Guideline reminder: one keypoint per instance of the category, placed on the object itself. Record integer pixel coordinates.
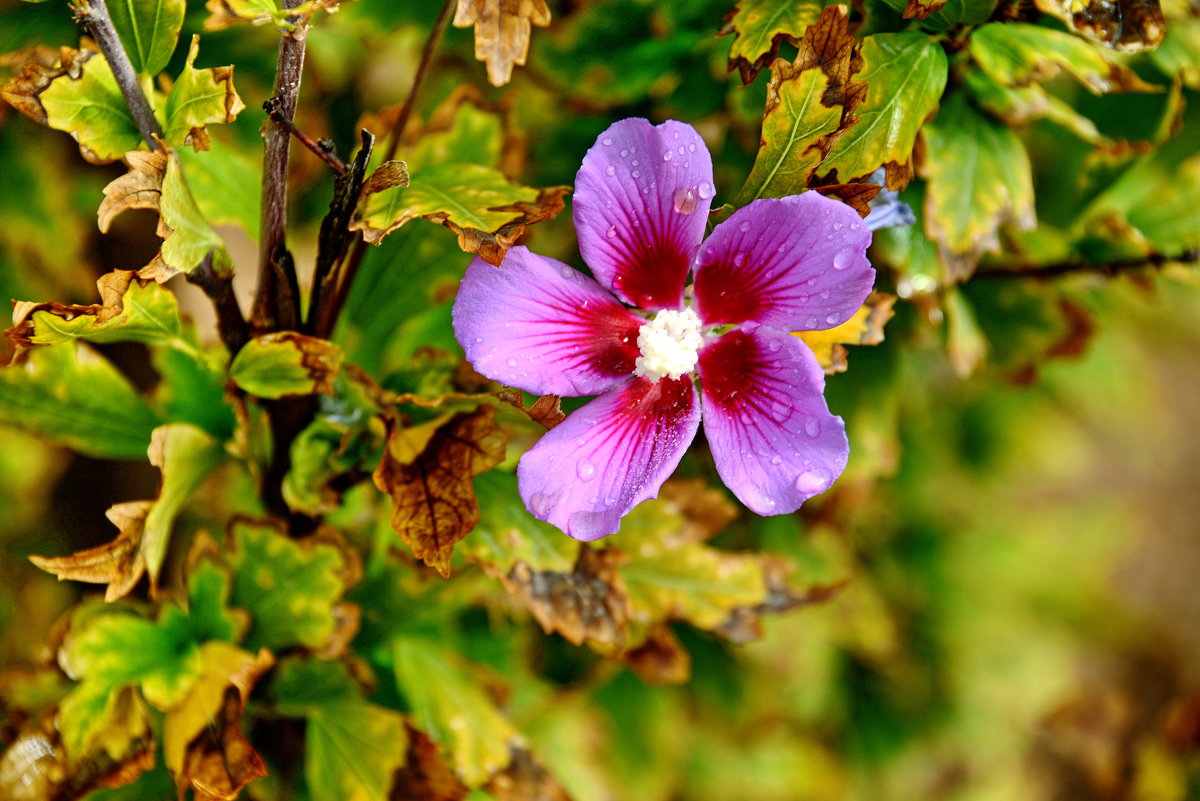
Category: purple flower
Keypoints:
(778, 265)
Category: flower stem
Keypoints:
(93, 14)
(1152, 260)
(277, 299)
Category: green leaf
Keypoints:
(695, 583)
(794, 120)
(1179, 53)
(209, 588)
(950, 13)
(92, 109)
(69, 395)
(130, 311)
(288, 587)
(1017, 54)
(186, 455)
(286, 363)
(451, 706)
(1020, 105)
(979, 178)
(199, 98)
(905, 75)
(226, 183)
(460, 132)
(352, 747)
(759, 26)
(507, 533)
(192, 390)
(191, 238)
(115, 649)
(149, 30)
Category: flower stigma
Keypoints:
(669, 345)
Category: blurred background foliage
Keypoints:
(1014, 543)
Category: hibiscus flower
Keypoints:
(636, 335)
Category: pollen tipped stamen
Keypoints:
(669, 345)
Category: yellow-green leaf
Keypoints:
(1017, 54)
(149, 30)
(905, 75)
(451, 706)
(189, 238)
(286, 363)
(695, 583)
(978, 177)
(759, 26)
(91, 108)
(198, 98)
(69, 395)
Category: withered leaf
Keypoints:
(745, 622)
(286, 363)
(920, 9)
(586, 605)
(140, 188)
(221, 761)
(865, 327)
(387, 175)
(120, 564)
(856, 196)
(525, 779)
(429, 480)
(546, 410)
(759, 27)
(24, 89)
(661, 659)
(502, 30)
(425, 775)
(1130, 25)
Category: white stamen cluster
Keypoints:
(670, 345)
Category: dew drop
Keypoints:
(776, 459)
(810, 323)
(704, 190)
(842, 260)
(566, 271)
(635, 163)
(837, 226)
(774, 345)
(633, 148)
(636, 173)
(624, 152)
(478, 340)
(682, 150)
(586, 471)
(739, 258)
(812, 426)
(684, 200)
(744, 227)
(667, 156)
(692, 148)
(607, 141)
(608, 204)
(831, 319)
(750, 326)
(780, 411)
(611, 233)
(511, 362)
(824, 294)
(645, 190)
(811, 282)
(610, 170)
(855, 226)
(815, 480)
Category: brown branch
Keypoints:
(1153, 260)
(93, 14)
(218, 286)
(276, 305)
(322, 148)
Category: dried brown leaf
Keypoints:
(120, 564)
(586, 605)
(856, 196)
(386, 176)
(546, 410)
(428, 477)
(920, 9)
(492, 245)
(502, 30)
(745, 622)
(425, 775)
(661, 659)
(24, 89)
(221, 761)
(1129, 25)
(525, 779)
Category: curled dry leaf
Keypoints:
(759, 27)
(856, 196)
(224, 13)
(864, 328)
(43, 65)
(502, 30)
(120, 564)
(920, 9)
(545, 411)
(425, 775)
(427, 472)
(1130, 25)
(140, 188)
(661, 659)
(586, 605)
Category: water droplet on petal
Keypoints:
(682, 150)
(774, 345)
(812, 426)
(567, 272)
(624, 152)
(636, 173)
(837, 226)
(776, 459)
(692, 148)
(811, 323)
(607, 141)
(744, 227)
(813, 481)
(843, 259)
(684, 200)
(739, 258)
(831, 319)
(586, 471)
(780, 411)
(511, 362)
(855, 226)
(478, 340)
(750, 326)
(667, 156)
(610, 170)
(704, 190)
(611, 232)
(636, 163)
(824, 294)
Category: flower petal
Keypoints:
(609, 455)
(796, 263)
(537, 324)
(773, 440)
(641, 200)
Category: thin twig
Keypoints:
(323, 148)
(431, 45)
(93, 14)
(273, 309)
(218, 286)
(1155, 260)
